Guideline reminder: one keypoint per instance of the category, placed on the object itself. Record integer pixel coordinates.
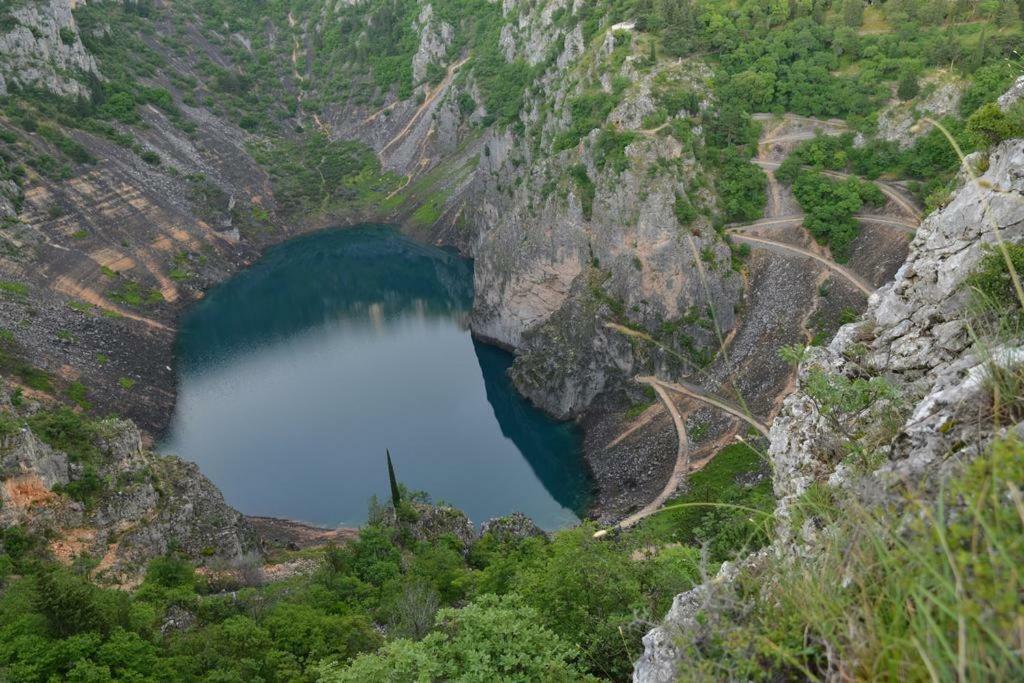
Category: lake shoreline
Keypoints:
(294, 370)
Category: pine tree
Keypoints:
(645, 17)
(396, 496)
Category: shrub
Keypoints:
(684, 210)
(119, 107)
(610, 149)
(992, 280)
(150, 157)
(492, 638)
(989, 125)
(67, 431)
(586, 188)
(908, 88)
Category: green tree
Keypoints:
(853, 13)
(492, 638)
(586, 590)
(396, 496)
(678, 21)
(71, 605)
(908, 87)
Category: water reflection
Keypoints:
(296, 374)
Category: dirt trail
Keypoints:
(651, 132)
(682, 465)
(68, 287)
(796, 219)
(786, 221)
(775, 216)
(854, 279)
(906, 226)
(427, 101)
(699, 394)
(643, 420)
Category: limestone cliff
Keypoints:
(109, 499)
(40, 47)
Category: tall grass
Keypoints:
(930, 594)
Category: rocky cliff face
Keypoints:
(569, 242)
(122, 507)
(917, 337)
(40, 47)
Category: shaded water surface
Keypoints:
(296, 374)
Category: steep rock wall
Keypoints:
(40, 47)
(156, 504)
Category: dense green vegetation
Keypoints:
(799, 56)
(725, 505)
(741, 187)
(830, 205)
(385, 606)
(312, 173)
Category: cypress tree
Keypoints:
(396, 497)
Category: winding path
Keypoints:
(703, 396)
(427, 101)
(905, 226)
(798, 219)
(908, 224)
(885, 187)
(682, 466)
(854, 279)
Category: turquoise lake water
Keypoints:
(295, 375)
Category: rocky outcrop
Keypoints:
(40, 47)
(122, 506)
(569, 243)
(534, 31)
(514, 527)
(428, 523)
(1013, 95)
(901, 122)
(435, 37)
(691, 613)
(914, 337)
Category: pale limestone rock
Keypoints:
(35, 54)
